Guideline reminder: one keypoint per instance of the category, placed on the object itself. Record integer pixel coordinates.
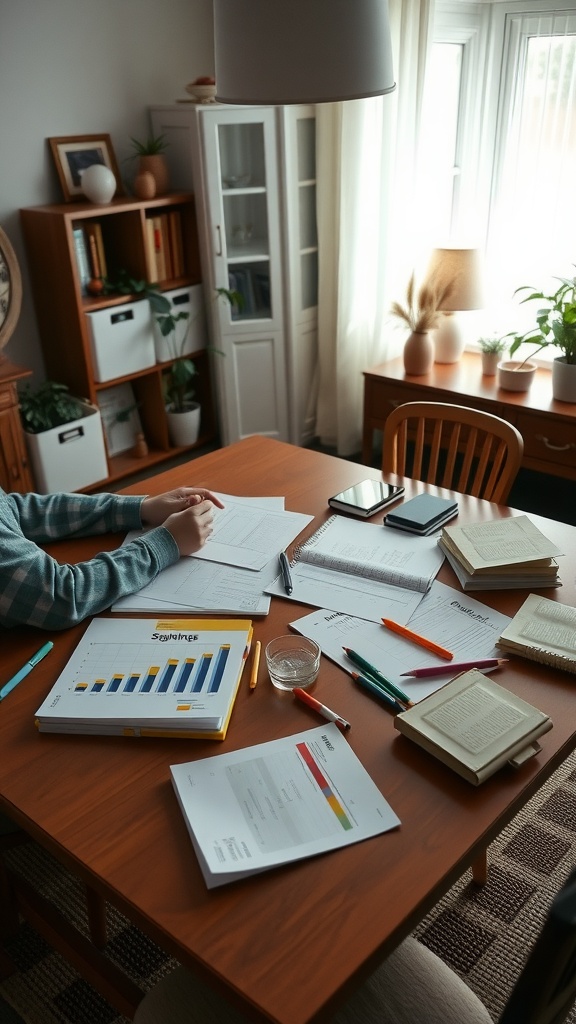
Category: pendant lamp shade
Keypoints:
(301, 51)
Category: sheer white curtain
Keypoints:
(366, 171)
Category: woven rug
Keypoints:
(483, 933)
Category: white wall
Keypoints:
(79, 67)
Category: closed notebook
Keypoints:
(422, 514)
(475, 726)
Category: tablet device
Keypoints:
(365, 498)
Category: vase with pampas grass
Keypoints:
(422, 312)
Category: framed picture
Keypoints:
(74, 153)
(10, 289)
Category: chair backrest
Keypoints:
(546, 989)
(452, 446)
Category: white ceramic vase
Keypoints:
(98, 183)
(563, 380)
(184, 427)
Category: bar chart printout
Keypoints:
(136, 674)
(277, 802)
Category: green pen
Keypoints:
(377, 676)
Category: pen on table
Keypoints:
(409, 634)
(378, 692)
(23, 672)
(372, 672)
(459, 666)
(285, 570)
(255, 665)
(326, 713)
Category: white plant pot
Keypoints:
(184, 427)
(69, 457)
(563, 380)
(515, 376)
(490, 362)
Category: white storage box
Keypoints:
(122, 340)
(69, 457)
(184, 300)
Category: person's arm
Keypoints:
(36, 590)
(46, 517)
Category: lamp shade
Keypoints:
(301, 51)
(462, 267)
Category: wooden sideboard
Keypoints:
(15, 474)
(548, 427)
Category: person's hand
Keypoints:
(191, 527)
(156, 508)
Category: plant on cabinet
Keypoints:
(556, 327)
(151, 163)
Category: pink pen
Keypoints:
(442, 670)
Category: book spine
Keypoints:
(158, 250)
(150, 251)
(82, 261)
(175, 222)
(166, 247)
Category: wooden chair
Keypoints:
(413, 985)
(452, 446)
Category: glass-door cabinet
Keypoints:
(253, 172)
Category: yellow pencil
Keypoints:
(255, 665)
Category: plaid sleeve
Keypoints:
(45, 517)
(36, 590)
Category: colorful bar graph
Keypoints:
(221, 659)
(324, 786)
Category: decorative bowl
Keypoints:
(203, 93)
(515, 376)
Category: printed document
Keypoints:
(457, 621)
(280, 801)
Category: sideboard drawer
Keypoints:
(548, 440)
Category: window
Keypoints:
(498, 160)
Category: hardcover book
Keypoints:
(543, 630)
(475, 726)
(423, 514)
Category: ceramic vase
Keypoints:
(158, 168)
(563, 380)
(98, 183)
(418, 353)
(490, 362)
(145, 185)
(184, 427)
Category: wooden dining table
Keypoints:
(291, 944)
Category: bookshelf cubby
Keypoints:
(61, 302)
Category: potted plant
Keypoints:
(151, 163)
(491, 349)
(422, 313)
(62, 459)
(556, 327)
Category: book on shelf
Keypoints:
(96, 249)
(475, 726)
(159, 256)
(166, 247)
(176, 242)
(423, 514)
(278, 802)
(543, 630)
(150, 677)
(150, 250)
(82, 260)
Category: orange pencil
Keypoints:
(255, 665)
(408, 634)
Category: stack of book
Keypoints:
(164, 247)
(501, 554)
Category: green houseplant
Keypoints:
(555, 327)
(151, 165)
(48, 406)
(491, 348)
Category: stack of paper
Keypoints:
(501, 554)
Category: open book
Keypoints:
(360, 569)
(543, 630)
(150, 677)
(277, 802)
(475, 726)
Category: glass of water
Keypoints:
(292, 660)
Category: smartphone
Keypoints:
(365, 498)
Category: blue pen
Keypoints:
(23, 672)
(377, 691)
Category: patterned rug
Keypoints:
(482, 933)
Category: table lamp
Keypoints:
(462, 267)
(301, 51)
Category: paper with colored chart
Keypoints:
(150, 677)
(266, 805)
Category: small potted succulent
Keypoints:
(152, 175)
(491, 349)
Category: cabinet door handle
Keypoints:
(555, 447)
(219, 241)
